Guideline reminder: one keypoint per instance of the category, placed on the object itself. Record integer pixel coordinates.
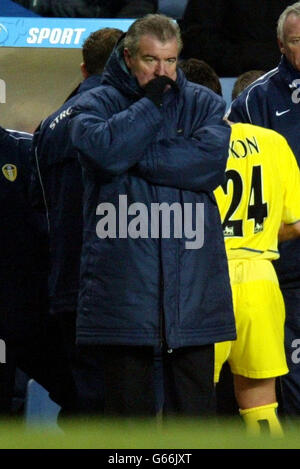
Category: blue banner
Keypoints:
(68, 33)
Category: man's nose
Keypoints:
(160, 69)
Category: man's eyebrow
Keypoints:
(155, 57)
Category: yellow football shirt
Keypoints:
(262, 189)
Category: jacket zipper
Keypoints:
(163, 342)
(161, 315)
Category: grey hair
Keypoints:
(292, 9)
(160, 26)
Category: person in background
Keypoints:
(17, 255)
(57, 190)
(148, 138)
(24, 327)
(259, 199)
(91, 8)
(244, 80)
(233, 36)
(273, 102)
(135, 8)
(198, 71)
(263, 184)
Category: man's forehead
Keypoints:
(148, 44)
(292, 25)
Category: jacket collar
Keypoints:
(288, 73)
(90, 82)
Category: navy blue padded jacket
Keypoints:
(58, 183)
(144, 290)
(23, 240)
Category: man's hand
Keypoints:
(155, 89)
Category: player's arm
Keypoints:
(288, 232)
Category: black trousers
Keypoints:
(42, 356)
(47, 352)
(87, 376)
(132, 379)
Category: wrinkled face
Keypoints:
(153, 59)
(290, 46)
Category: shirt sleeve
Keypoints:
(196, 162)
(110, 141)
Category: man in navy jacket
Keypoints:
(23, 264)
(31, 341)
(153, 270)
(18, 264)
(273, 101)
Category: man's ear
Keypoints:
(127, 57)
(281, 46)
(84, 71)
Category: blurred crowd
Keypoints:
(91, 8)
(232, 37)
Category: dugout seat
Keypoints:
(39, 408)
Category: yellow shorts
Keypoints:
(259, 312)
